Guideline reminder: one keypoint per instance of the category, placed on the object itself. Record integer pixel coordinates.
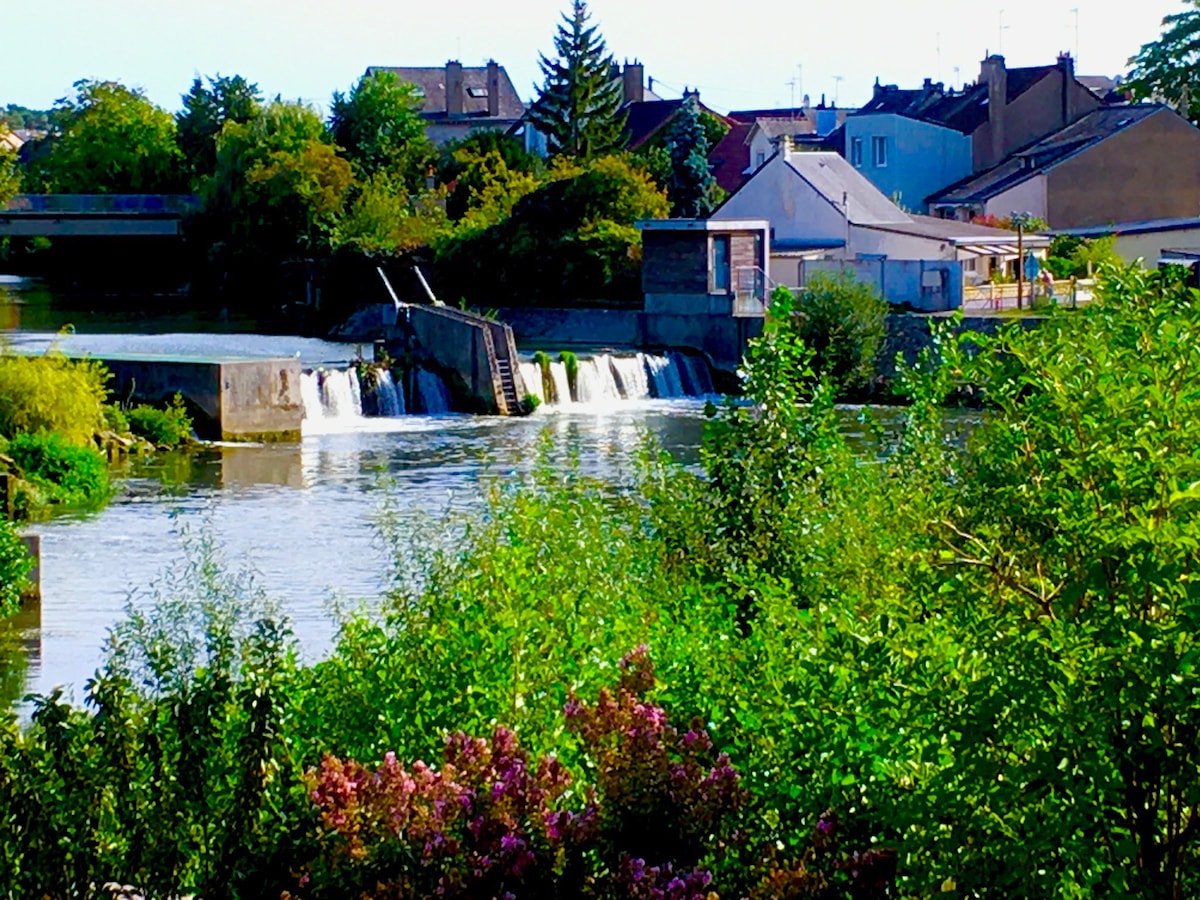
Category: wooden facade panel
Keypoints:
(675, 262)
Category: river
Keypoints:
(301, 514)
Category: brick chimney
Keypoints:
(454, 88)
(632, 81)
(994, 74)
(493, 89)
(1066, 69)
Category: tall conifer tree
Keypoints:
(692, 189)
(579, 107)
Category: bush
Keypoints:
(55, 472)
(843, 321)
(52, 393)
(15, 565)
(168, 427)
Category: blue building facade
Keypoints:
(907, 159)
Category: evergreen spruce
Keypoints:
(691, 188)
(579, 106)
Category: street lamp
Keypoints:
(1021, 220)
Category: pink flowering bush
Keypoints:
(490, 821)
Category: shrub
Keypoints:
(843, 322)
(55, 472)
(168, 427)
(52, 393)
(15, 565)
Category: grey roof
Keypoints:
(956, 232)
(834, 179)
(1143, 226)
(1042, 155)
(775, 127)
(431, 80)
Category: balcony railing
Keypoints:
(751, 294)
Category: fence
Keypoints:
(996, 297)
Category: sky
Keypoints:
(739, 55)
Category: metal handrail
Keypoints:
(752, 291)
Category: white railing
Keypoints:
(752, 292)
(995, 297)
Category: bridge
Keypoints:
(95, 215)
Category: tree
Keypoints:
(10, 175)
(108, 139)
(379, 127)
(205, 112)
(691, 186)
(277, 189)
(579, 107)
(1169, 69)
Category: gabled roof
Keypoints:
(845, 187)
(431, 81)
(731, 156)
(1040, 156)
(643, 119)
(962, 111)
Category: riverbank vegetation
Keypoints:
(964, 668)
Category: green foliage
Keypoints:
(843, 322)
(107, 139)
(51, 393)
(54, 472)
(570, 240)
(571, 364)
(691, 186)
(1168, 70)
(1072, 257)
(10, 175)
(178, 778)
(579, 105)
(167, 427)
(205, 111)
(384, 220)
(278, 187)
(380, 129)
(15, 566)
(486, 188)
(15, 116)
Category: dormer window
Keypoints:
(477, 92)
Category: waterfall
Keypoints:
(630, 375)
(310, 393)
(432, 397)
(340, 394)
(693, 374)
(664, 376)
(595, 381)
(380, 394)
(531, 374)
(560, 383)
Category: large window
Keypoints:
(879, 151)
(856, 152)
(720, 264)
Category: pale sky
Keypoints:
(740, 55)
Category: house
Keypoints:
(754, 136)
(703, 266)
(912, 143)
(9, 140)
(1115, 164)
(457, 100)
(823, 209)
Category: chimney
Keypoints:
(454, 88)
(633, 90)
(878, 89)
(1066, 69)
(994, 74)
(493, 89)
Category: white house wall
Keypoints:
(1028, 196)
(796, 211)
(875, 242)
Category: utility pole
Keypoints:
(1075, 11)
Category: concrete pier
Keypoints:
(33, 544)
(232, 399)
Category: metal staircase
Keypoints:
(508, 384)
